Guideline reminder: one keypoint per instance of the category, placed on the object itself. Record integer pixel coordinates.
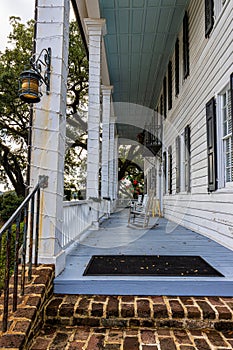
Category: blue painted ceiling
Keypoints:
(140, 39)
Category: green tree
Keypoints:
(14, 114)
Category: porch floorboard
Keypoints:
(115, 237)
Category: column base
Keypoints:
(59, 261)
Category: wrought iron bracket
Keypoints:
(44, 59)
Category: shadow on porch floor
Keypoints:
(115, 237)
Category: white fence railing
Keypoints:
(78, 218)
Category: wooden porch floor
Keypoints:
(167, 238)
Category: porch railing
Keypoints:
(78, 218)
(22, 227)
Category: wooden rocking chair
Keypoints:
(140, 216)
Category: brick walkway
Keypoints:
(84, 338)
(136, 323)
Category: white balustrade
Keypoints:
(78, 218)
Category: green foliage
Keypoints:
(9, 202)
(14, 114)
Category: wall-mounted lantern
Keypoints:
(32, 79)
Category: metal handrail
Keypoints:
(28, 212)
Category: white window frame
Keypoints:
(222, 183)
(182, 163)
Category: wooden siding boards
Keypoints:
(210, 70)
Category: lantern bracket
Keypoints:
(43, 59)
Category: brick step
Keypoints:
(137, 311)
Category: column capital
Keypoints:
(106, 89)
(95, 26)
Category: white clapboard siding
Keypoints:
(210, 69)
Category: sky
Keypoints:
(21, 8)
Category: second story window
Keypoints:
(165, 97)
(177, 68)
(169, 170)
(186, 45)
(209, 16)
(178, 164)
(170, 85)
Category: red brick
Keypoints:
(157, 299)
(60, 339)
(215, 301)
(148, 337)
(96, 342)
(186, 300)
(12, 341)
(34, 301)
(66, 310)
(176, 308)
(160, 311)
(202, 344)
(193, 312)
(167, 344)
(97, 310)
(215, 338)
(40, 344)
(143, 309)
(207, 310)
(53, 306)
(76, 345)
(112, 347)
(182, 337)
(164, 332)
(29, 313)
(22, 326)
(83, 306)
(151, 347)
(131, 343)
(224, 313)
(113, 307)
(81, 334)
(127, 299)
(127, 310)
(102, 298)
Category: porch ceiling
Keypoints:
(140, 38)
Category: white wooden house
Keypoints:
(158, 69)
(196, 104)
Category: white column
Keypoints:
(49, 129)
(95, 32)
(115, 183)
(106, 111)
(111, 158)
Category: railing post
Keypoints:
(6, 280)
(16, 268)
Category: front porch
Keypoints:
(114, 237)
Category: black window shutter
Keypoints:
(165, 97)
(186, 45)
(170, 85)
(187, 142)
(161, 105)
(211, 144)
(170, 170)
(178, 164)
(209, 16)
(165, 170)
(177, 68)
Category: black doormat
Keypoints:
(149, 265)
